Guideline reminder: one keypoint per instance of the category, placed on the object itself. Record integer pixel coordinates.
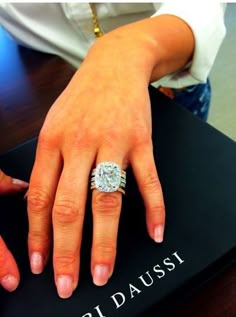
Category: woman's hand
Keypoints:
(9, 273)
(103, 115)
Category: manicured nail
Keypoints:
(19, 182)
(36, 263)
(158, 233)
(26, 194)
(100, 274)
(64, 285)
(9, 282)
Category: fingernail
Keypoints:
(158, 233)
(26, 194)
(36, 263)
(64, 285)
(19, 182)
(100, 274)
(9, 282)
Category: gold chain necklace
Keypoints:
(96, 27)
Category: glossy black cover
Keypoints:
(197, 168)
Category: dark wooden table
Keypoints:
(29, 84)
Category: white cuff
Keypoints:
(207, 24)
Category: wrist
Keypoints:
(125, 51)
(152, 47)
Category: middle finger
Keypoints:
(68, 217)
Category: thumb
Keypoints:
(11, 185)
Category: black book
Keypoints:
(197, 169)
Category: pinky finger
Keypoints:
(9, 273)
(143, 165)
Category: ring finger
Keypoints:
(106, 207)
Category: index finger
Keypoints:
(40, 197)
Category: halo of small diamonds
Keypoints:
(108, 177)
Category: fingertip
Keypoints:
(65, 287)
(11, 185)
(101, 274)
(158, 233)
(9, 273)
(22, 184)
(36, 263)
(9, 283)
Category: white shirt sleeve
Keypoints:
(207, 23)
(69, 33)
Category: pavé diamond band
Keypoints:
(107, 177)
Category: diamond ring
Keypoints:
(108, 177)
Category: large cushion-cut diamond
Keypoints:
(107, 177)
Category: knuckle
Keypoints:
(151, 183)
(65, 259)
(65, 211)
(155, 201)
(157, 209)
(38, 200)
(92, 135)
(113, 140)
(105, 249)
(42, 138)
(114, 134)
(106, 202)
(47, 140)
(85, 144)
(82, 140)
(142, 140)
(38, 238)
